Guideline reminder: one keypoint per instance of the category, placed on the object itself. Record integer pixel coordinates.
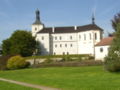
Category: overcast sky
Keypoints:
(20, 14)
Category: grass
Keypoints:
(10, 86)
(68, 78)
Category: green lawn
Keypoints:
(68, 78)
(10, 86)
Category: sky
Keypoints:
(20, 14)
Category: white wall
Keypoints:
(100, 55)
(36, 28)
(86, 41)
(59, 43)
(44, 43)
(67, 43)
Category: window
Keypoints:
(35, 29)
(71, 45)
(65, 45)
(42, 38)
(60, 37)
(54, 53)
(84, 37)
(67, 53)
(55, 45)
(90, 36)
(101, 49)
(63, 53)
(60, 45)
(71, 37)
(79, 36)
(55, 38)
(95, 36)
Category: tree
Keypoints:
(6, 47)
(112, 61)
(115, 21)
(21, 42)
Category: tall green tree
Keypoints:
(115, 21)
(112, 61)
(21, 42)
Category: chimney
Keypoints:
(53, 29)
(75, 27)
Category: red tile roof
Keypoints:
(105, 41)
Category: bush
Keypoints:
(3, 62)
(67, 58)
(112, 63)
(17, 62)
(48, 60)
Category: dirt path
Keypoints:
(28, 85)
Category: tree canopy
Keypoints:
(115, 21)
(21, 42)
(112, 60)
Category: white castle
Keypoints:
(67, 40)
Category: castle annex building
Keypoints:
(67, 40)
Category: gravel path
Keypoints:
(28, 85)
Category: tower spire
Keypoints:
(93, 19)
(37, 21)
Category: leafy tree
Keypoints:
(112, 61)
(115, 21)
(6, 47)
(21, 42)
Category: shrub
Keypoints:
(48, 60)
(67, 58)
(112, 63)
(17, 62)
(3, 62)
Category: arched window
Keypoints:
(60, 45)
(35, 29)
(55, 45)
(101, 49)
(71, 37)
(90, 36)
(95, 36)
(42, 38)
(65, 45)
(84, 36)
(71, 45)
(60, 37)
(55, 38)
(79, 36)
